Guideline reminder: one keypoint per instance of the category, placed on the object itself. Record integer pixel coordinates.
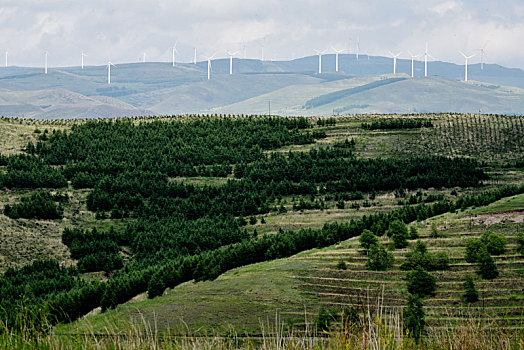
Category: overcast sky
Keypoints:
(123, 29)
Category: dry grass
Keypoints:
(379, 328)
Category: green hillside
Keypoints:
(212, 225)
(298, 286)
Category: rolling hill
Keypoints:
(159, 88)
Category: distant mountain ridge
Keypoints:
(290, 87)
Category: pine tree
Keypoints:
(486, 265)
(414, 316)
(421, 282)
(156, 285)
(471, 294)
(367, 239)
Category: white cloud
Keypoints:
(445, 7)
(124, 29)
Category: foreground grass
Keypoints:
(379, 329)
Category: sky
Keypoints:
(122, 30)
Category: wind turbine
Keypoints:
(358, 46)
(82, 56)
(45, 64)
(174, 51)
(413, 63)
(319, 53)
(466, 66)
(231, 54)
(262, 50)
(209, 65)
(482, 53)
(195, 57)
(336, 57)
(348, 46)
(426, 55)
(109, 64)
(394, 61)
(144, 55)
(243, 49)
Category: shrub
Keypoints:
(471, 294)
(495, 243)
(400, 240)
(420, 282)
(434, 232)
(379, 258)
(325, 317)
(473, 247)
(397, 227)
(341, 265)
(419, 256)
(486, 265)
(413, 233)
(367, 239)
(398, 231)
(350, 318)
(414, 316)
(520, 242)
(438, 261)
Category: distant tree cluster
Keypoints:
(27, 171)
(39, 205)
(397, 124)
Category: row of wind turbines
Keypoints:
(336, 51)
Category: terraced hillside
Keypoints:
(293, 289)
(501, 300)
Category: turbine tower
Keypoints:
(358, 47)
(319, 53)
(109, 64)
(426, 55)
(82, 59)
(144, 55)
(209, 65)
(174, 51)
(243, 49)
(394, 61)
(45, 64)
(482, 53)
(262, 51)
(413, 63)
(337, 52)
(466, 66)
(231, 54)
(195, 57)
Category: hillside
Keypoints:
(194, 167)
(361, 95)
(296, 287)
(159, 88)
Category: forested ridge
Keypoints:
(180, 231)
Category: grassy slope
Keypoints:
(417, 95)
(244, 297)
